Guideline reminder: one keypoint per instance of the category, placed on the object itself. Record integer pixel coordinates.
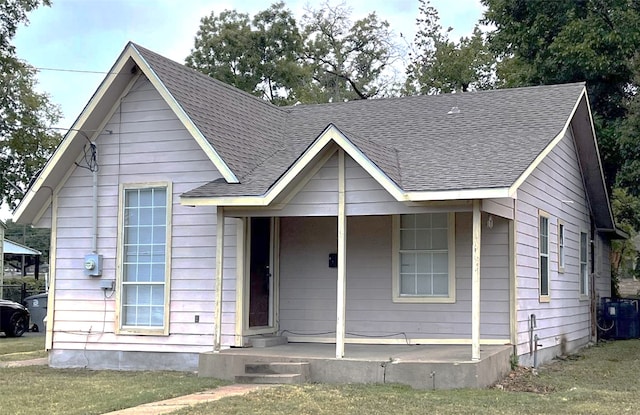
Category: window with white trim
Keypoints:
(543, 248)
(584, 270)
(561, 247)
(144, 275)
(424, 258)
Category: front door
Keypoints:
(260, 273)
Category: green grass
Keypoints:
(40, 390)
(22, 348)
(602, 379)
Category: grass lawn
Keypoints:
(36, 390)
(29, 346)
(601, 379)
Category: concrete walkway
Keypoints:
(170, 405)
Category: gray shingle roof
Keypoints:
(413, 140)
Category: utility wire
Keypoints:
(74, 70)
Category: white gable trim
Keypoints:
(71, 135)
(333, 134)
(118, 69)
(206, 146)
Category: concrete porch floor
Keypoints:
(420, 366)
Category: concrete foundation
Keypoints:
(548, 353)
(422, 367)
(123, 360)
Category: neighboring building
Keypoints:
(3, 227)
(472, 219)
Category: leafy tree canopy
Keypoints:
(440, 65)
(259, 55)
(25, 141)
(349, 60)
(551, 42)
(325, 58)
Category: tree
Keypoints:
(439, 65)
(324, 59)
(629, 140)
(259, 55)
(550, 42)
(25, 140)
(348, 60)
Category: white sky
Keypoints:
(88, 35)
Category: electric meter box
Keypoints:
(93, 265)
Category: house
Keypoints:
(190, 219)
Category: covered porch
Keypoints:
(329, 258)
(419, 366)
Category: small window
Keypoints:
(144, 252)
(561, 248)
(584, 271)
(543, 246)
(424, 258)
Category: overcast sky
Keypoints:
(88, 35)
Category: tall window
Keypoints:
(144, 275)
(584, 273)
(560, 246)
(543, 242)
(424, 258)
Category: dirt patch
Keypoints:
(524, 379)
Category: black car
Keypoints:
(14, 318)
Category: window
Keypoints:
(543, 246)
(560, 246)
(424, 258)
(143, 255)
(584, 274)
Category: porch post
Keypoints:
(475, 282)
(219, 273)
(342, 259)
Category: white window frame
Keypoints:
(562, 238)
(120, 328)
(401, 298)
(543, 257)
(583, 267)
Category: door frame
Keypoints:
(243, 280)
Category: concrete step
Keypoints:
(268, 341)
(271, 378)
(302, 368)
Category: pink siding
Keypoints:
(555, 187)
(147, 143)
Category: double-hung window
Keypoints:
(144, 251)
(561, 246)
(584, 274)
(424, 258)
(543, 249)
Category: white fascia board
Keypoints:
(206, 146)
(468, 194)
(72, 133)
(545, 152)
